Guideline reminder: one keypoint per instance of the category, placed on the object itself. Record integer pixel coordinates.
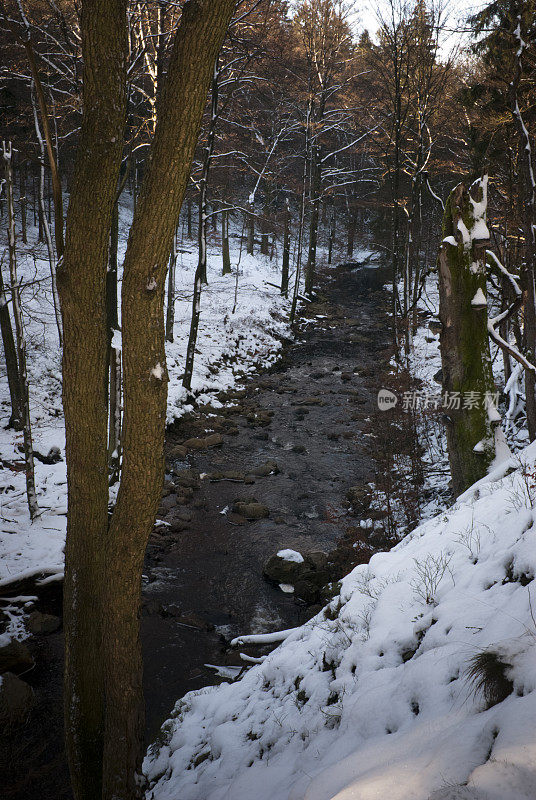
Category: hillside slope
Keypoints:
(372, 697)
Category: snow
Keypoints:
(373, 698)
(479, 300)
(158, 371)
(291, 555)
(229, 347)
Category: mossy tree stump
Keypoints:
(465, 353)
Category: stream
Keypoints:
(308, 414)
(293, 439)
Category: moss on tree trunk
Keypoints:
(465, 355)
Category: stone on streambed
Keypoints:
(284, 567)
(214, 440)
(15, 657)
(307, 574)
(16, 700)
(268, 468)
(179, 452)
(250, 509)
(309, 401)
(187, 478)
(289, 566)
(227, 475)
(196, 443)
(39, 623)
(359, 496)
(260, 418)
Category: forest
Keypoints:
(267, 400)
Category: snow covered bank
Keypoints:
(372, 698)
(230, 345)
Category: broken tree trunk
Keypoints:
(472, 420)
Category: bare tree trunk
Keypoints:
(251, 230)
(197, 42)
(23, 201)
(352, 221)
(170, 308)
(316, 185)
(529, 228)
(54, 171)
(265, 232)
(203, 182)
(194, 328)
(301, 224)
(201, 270)
(20, 340)
(44, 222)
(226, 257)
(286, 250)
(10, 355)
(82, 288)
(331, 234)
(189, 218)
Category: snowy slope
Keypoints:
(371, 699)
(230, 345)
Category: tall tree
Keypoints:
(103, 697)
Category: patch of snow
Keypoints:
(290, 555)
(479, 300)
(158, 372)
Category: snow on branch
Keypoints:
(503, 271)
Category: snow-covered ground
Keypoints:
(230, 345)
(371, 698)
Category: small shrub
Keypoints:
(487, 673)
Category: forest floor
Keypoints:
(308, 423)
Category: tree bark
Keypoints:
(82, 288)
(197, 43)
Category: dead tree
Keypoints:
(472, 421)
